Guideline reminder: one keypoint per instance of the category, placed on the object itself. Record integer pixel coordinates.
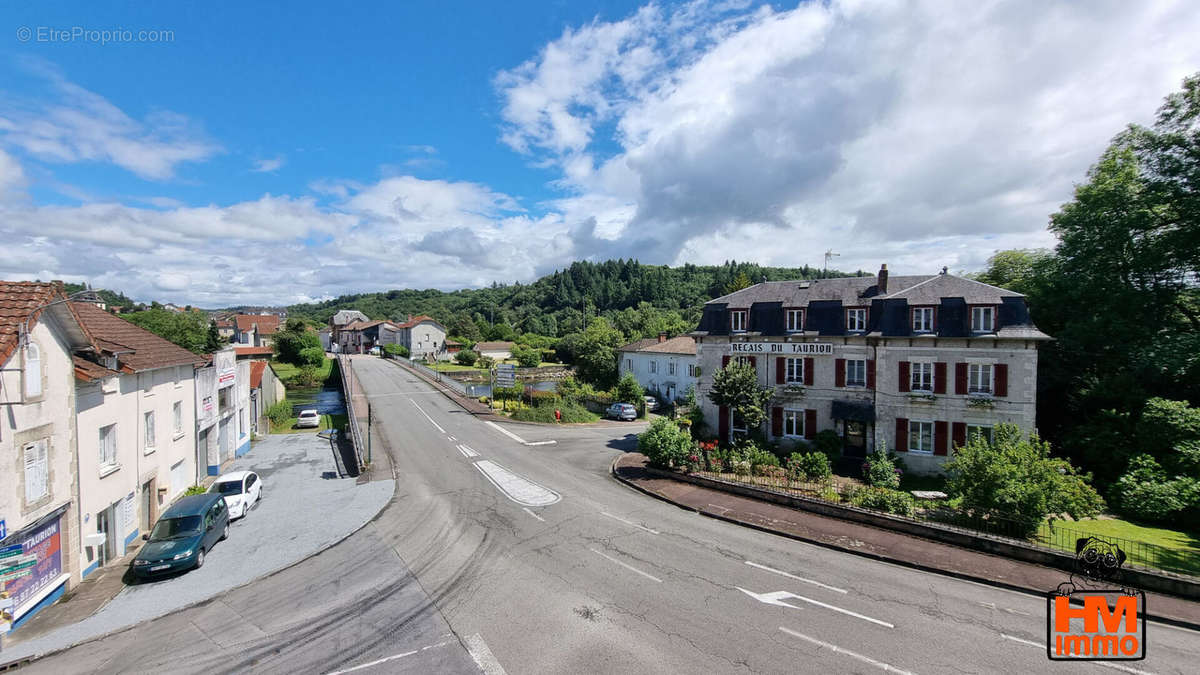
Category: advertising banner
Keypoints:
(45, 544)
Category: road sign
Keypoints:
(10, 551)
(3, 529)
(18, 564)
(506, 375)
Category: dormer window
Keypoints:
(856, 320)
(737, 320)
(795, 320)
(922, 320)
(983, 319)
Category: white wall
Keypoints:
(653, 371)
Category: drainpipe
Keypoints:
(875, 397)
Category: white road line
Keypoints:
(1106, 664)
(534, 514)
(467, 451)
(631, 568)
(515, 437)
(451, 438)
(439, 427)
(793, 576)
(839, 650)
(483, 656)
(532, 443)
(778, 597)
(388, 658)
(631, 524)
(517, 488)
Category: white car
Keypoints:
(308, 419)
(241, 489)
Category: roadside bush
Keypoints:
(1144, 493)
(886, 500)
(466, 357)
(306, 377)
(571, 413)
(664, 443)
(194, 490)
(527, 357)
(280, 413)
(808, 466)
(485, 362)
(396, 351)
(629, 391)
(880, 469)
(828, 443)
(312, 356)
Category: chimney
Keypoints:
(410, 317)
(662, 337)
(882, 283)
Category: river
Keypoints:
(326, 400)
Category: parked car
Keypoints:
(651, 403)
(308, 419)
(183, 535)
(241, 490)
(622, 411)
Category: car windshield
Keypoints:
(308, 414)
(229, 487)
(170, 528)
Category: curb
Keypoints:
(1039, 593)
(6, 666)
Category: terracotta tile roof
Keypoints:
(253, 351)
(416, 320)
(142, 350)
(493, 346)
(363, 325)
(676, 345)
(87, 371)
(267, 324)
(18, 299)
(256, 372)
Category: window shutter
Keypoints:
(724, 360)
(901, 434)
(808, 371)
(935, 323)
(810, 424)
(960, 434)
(776, 422)
(939, 438)
(939, 378)
(780, 369)
(723, 422)
(31, 469)
(870, 374)
(905, 377)
(960, 378)
(839, 373)
(1001, 373)
(753, 362)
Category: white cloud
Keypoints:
(268, 165)
(12, 177)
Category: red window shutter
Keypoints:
(939, 438)
(960, 434)
(1001, 372)
(723, 423)
(870, 374)
(960, 378)
(839, 373)
(776, 422)
(753, 361)
(810, 424)
(905, 377)
(808, 371)
(901, 434)
(939, 378)
(780, 370)
(724, 360)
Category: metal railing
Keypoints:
(435, 375)
(356, 436)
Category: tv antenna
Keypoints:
(828, 256)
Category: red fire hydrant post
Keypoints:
(557, 415)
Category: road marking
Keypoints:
(793, 576)
(451, 438)
(631, 524)
(1106, 664)
(631, 568)
(839, 650)
(483, 656)
(467, 451)
(534, 514)
(777, 598)
(515, 437)
(388, 658)
(517, 488)
(439, 427)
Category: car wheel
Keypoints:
(225, 532)
(200, 559)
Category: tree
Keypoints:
(1016, 269)
(466, 357)
(596, 358)
(190, 330)
(665, 444)
(1016, 479)
(527, 357)
(736, 387)
(739, 282)
(629, 391)
(293, 340)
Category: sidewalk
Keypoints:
(873, 542)
(380, 467)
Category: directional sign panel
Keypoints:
(9, 551)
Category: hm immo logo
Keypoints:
(1087, 618)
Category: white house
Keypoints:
(496, 350)
(135, 429)
(424, 337)
(663, 367)
(38, 334)
(222, 412)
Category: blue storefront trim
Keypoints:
(243, 448)
(214, 470)
(45, 602)
(132, 537)
(89, 569)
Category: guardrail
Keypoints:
(356, 437)
(437, 376)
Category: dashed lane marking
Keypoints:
(388, 658)
(629, 523)
(1106, 664)
(886, 667)
(483, 656)
(793, 576)
(439, 427)
(627, 566)
(778, 597)
(467, 451)
(534, 514)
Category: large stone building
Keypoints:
(916, 363)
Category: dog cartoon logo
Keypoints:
(1111, 624)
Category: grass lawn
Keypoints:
(1173, 550)
(450, 367)
(287, 371)
(327, 422)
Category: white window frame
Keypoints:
(737, 320)
(856, 319)
(852, 382)
(978, 322)
(793, 423)
(177, 418)
(793, 370)
(922, 319)
(33, 370)
(108, 448)
(981, 379)
(149, 432)
(921, 377)
(671, 367)
(36, 456)
(795, 320)
(178, 376)
(653, 366)
(986, 429)
(919, 427)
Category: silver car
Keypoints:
(308, 419)
(622, 411)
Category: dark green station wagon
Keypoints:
(183, 535)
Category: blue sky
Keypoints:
(274, 155)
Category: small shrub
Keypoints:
(809, 466)
(396, 351)
(279, 413)
(485, 362)
(527, 357)
(306, 377)
(466, 357)
(880, 469)
(886, 500)
(828, 443)
(194, 490)
(740, 467)
(830, 494)
(312, 356)
(664, 443)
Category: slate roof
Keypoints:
(345, 316)
(676, 345)
(363, 325)
(136, 348)
(416, 320)
(267, 324)
(926, 289)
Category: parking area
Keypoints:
(304, 509)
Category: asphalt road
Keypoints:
(593, 577)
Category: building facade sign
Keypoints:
(782, 348)
(46, 544)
